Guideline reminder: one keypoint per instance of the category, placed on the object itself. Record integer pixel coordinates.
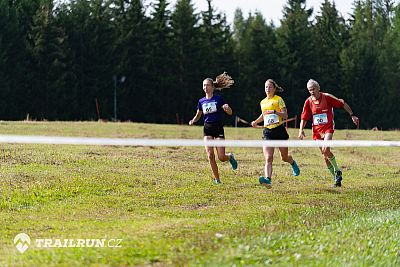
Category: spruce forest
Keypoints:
(144, 61)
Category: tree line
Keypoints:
(145, 62)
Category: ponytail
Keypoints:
(223, 81)
(278, 89)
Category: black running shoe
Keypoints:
(338, 179)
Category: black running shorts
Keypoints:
(215, 130)
(277, 133)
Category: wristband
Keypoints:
(352, 114)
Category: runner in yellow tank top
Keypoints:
(269, 107)
(273, 111)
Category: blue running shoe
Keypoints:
(338, 179)
(265, 182)
(295, 169)
(217, 181)
(233, 162)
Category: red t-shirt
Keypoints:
(321, 113)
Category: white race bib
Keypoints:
(270, 119)
(319, 119)
(209, 107)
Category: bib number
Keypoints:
(210, 107)
(319, 119)
(270, 119)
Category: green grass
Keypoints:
(161, 201)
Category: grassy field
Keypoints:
(160, 201)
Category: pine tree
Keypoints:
(133, 52)
(330, 38)
(217, 46)
(22, 58)
(389, 61)
(216, 41)
(296, 52)
(258, 62)
(362, 70)
(161, 60)
(10, 43)
(188, 78)
(91, 36)
(49, 66)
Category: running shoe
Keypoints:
(338, 179)
(295, 169)
(233, 162)
(265, 182)
(217, 181)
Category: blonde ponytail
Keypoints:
(278, 89)
(223, 81)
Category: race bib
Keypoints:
(209, 107)
(319, 119)
(270, 119)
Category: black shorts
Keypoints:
(215, 130)
(277, 133)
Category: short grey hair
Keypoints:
(313, 82)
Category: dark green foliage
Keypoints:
(390, 62)
(330, 33)
(217, 42)
(132, 52)
(58, 58)
(257, 59)
(160, 65)
(8, 41)
(49, 66)
(187, 55)
(331, 36)
(296, 50)
(362, 65)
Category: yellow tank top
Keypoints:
(272, 120)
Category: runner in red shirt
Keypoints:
(319, 107)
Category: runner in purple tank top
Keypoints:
(213, 108)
